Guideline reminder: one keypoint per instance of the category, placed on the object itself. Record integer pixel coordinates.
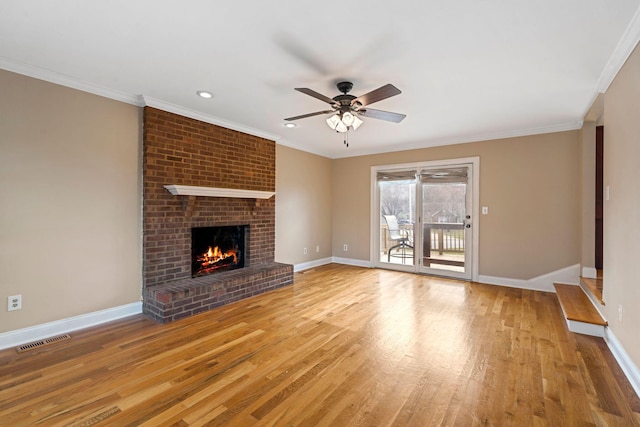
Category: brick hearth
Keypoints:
(182, 298)
(184, 151)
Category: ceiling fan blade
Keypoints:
(316, 95)
(309, 115)
(384, 92)
(382, 115)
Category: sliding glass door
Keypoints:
(423, 218)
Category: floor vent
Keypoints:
(42, 343)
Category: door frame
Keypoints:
(375, 211)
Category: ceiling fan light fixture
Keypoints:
(343, 122)
(333, 121)
(347, 119)
(356, 123)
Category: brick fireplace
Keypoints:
(180, 151)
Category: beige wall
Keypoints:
(530, 184)
(70, 205)
(303, 206)
(622, 210)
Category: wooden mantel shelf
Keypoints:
(188, 190)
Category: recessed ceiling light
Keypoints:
(204, 94)
(290, 125)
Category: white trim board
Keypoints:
(68, 81)
(623, 50)
(70, 324)
(353, 262)
(543, 283)
(626, 364)
(311, 264)
(335, 260)
(464, 139)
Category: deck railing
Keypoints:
(446, 236)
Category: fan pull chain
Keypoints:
(346, 138)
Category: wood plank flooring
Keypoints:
(343, 346)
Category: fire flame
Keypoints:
(215, 255)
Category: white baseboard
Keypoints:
(628, 367)
(45, 330)
(589, 272)
(544, 283)
(337, 260)
(351, 261)
(311, 264)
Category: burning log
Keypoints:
(215, 259)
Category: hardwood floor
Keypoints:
(343, 346)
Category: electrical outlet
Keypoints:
(317, 248)
(14, 302)
(345, 247)
(305, 251)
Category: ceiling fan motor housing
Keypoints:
(343, 102)
(345, 87)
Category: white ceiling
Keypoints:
(468, 70)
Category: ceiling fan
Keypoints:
(345, 108)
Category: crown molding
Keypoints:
(68, 81)
(624, 48)
(560, 127)
(176, 109)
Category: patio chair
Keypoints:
(398, 235)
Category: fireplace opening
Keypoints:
(216, 249)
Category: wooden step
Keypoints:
(580, 313)
(594, 286)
